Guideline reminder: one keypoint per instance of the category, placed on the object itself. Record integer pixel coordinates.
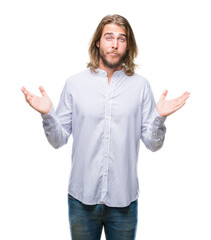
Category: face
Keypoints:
(112, 46)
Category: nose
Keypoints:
(115, 44)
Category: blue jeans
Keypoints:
(87, 221)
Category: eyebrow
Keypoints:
(111, 33)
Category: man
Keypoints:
(108, 108)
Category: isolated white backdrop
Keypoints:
(43, 42)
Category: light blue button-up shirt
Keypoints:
(107, 123)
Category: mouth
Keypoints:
(113, 54)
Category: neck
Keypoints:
(109, 71)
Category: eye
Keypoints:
(108, 38)
(122, 39)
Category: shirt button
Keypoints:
(105, 155)
(105, 174)
(107, 117)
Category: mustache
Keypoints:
(114, 52)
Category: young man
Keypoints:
(108, 108)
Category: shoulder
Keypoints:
(143, 86)
(73, 81)
(140, 80)
(78, 76)
(77, 79)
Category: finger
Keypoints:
(29, 99)
(185, 95)
(24, 90)
(182, 97)
(42, 90)
(179, 102)
(179, 106)
(163, 96)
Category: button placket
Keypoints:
(106, 137)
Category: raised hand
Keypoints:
(166, 108)
(41, 104)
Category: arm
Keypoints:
(57, 124)
(153, 128)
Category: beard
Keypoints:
(112, 64)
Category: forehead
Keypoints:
(113, 28)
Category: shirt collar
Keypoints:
(116, 73)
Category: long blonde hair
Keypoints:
(128, 64)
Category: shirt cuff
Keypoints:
(50, 115)
(158, 119)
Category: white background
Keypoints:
(43, 42)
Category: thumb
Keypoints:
(43, 92)
(163, 96)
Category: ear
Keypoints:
(98, 44)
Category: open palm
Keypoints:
(166, 108)
(41, 104)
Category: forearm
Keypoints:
(55, 133)
(154, 133)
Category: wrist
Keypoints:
(159, 112)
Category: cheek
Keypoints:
(123, 48)
(105, 44)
